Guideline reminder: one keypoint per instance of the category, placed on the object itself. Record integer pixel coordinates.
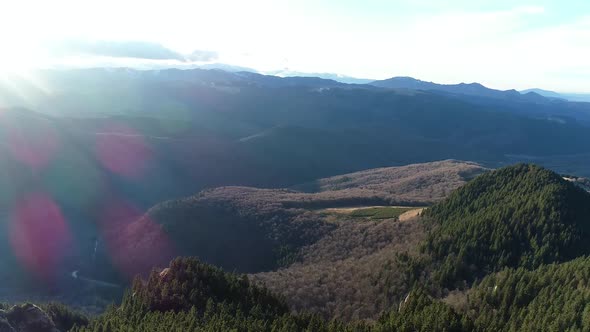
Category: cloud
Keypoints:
(115, 49)
(202, 56)
(502, 49)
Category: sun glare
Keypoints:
(17, 60)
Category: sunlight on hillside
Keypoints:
(287, 166)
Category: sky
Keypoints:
(502, 44)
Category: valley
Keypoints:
(443, 269)
(285, 228)
(223, 200)
(294, 166)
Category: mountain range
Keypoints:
(389, 205)
(579, 97)
(452, 266)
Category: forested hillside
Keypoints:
(554, 297)
(192, 296)
(241, 229)
(520, 216)
(423, 183)
(519, 234)
(254, 230)
(96, 175)
(551, 298)
(275, 166)
(356, 272)
(97, 148)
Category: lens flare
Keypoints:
(34, 147)
(39, 235)
(122, 151)
(135, 243)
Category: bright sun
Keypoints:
(21, 38)
(10, 65)
(17, 56)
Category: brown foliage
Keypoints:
(352, 273)
(418, 183)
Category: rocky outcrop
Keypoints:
(583, 183)
(26, 318)
(4, 325)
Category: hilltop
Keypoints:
(422, 183)
(469, 89)
(499, 252)
(519, 216)
(267, 227)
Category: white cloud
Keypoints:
(116, 49)
(502, 49)
(520, 46)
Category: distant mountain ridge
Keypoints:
(578, 97)
(471, 89)
(329, 76)
(544, 93)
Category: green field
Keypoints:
(387, 212)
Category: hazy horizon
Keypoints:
(500, 44)
(294, 165)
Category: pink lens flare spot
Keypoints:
(123, 151)
(34, 147)
(116, 214)
(135, 243)
(39, 235)
(146, 246)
